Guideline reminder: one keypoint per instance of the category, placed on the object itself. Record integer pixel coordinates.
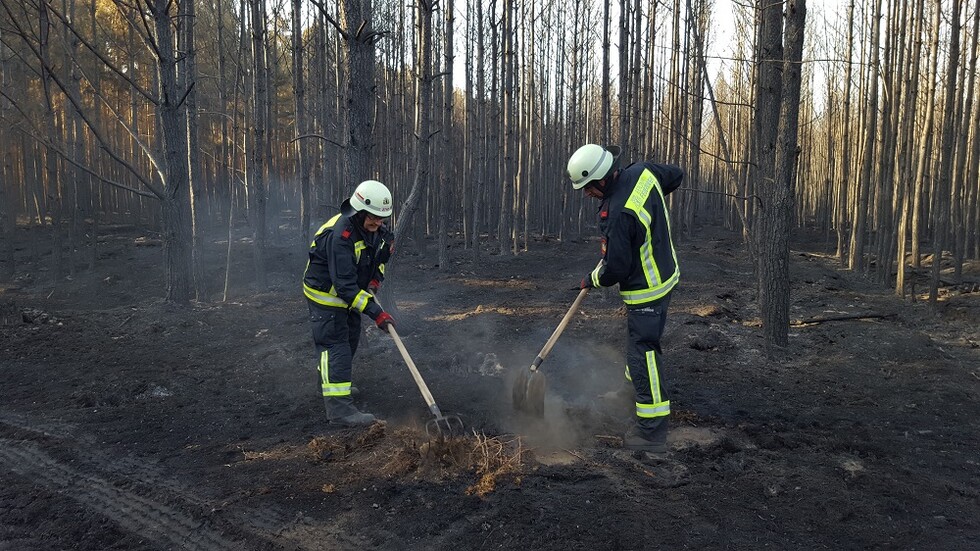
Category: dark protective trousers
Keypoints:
(336, 332)
(643, 365)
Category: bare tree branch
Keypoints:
(132, 134)
(103, 143)
(107, 62)
(35, 134)
(324, 138)
(742, 197)
(147, 35)
(330, 19)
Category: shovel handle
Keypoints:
(558, 330)
(561, 327)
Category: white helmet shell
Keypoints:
(591, 162)
(371, 196)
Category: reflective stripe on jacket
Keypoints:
(638, 250)
(343, 261)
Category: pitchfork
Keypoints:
(443, 425)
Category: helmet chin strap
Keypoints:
(602, 185)
(611, 177)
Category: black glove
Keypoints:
(586, 283)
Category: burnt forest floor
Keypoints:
(127, 423)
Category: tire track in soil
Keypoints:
(146, 516)
(134, 513)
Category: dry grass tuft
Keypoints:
(375, 433)
(275, 454)
(406, 452)
(494, 457)
(324, 447)
(403, 458)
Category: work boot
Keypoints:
(342, 411)
(639, 439)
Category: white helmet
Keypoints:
(591, 162)
(371, 196)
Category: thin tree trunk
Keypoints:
(925, 145)
(479, 191)
(505, 226)
(198, 190)
(943, 185)
(423, 115)
(856, 260)
(909, 127)
(257, 171)
(301, 125)
(961, 180)
(843, 225)
(448, 177)
(8, 214)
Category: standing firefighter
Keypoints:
(346, 267)
(637, 254)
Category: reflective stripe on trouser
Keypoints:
(643, 364)
(336, 332)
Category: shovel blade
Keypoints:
(519, 392)
(534, 401)
(528, 392)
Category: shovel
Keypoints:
(443, 425)
(528, 391)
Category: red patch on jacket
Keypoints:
(604, 214)
(345, 234)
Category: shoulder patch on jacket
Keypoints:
(346, 233)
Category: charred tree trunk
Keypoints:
(423, 115)
(770, 224)
(175, 211)
(361, 93)
(301, 127)
(188, 23)
(257, 165)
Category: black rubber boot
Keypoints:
(643, 440)
(341, 411)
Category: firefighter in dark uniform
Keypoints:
(346, 267)
(638, 255)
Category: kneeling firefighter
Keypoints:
(345, 270)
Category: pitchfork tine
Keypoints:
(443, 425)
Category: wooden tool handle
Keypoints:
(561, 327)
(429, 400)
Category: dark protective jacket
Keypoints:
(637, 249)
(343, 260)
